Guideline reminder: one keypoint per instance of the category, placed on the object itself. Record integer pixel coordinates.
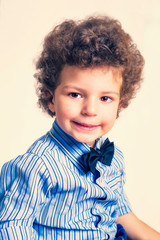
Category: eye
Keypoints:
(74, 95)
(106, 99)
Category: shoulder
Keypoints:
(118, 158)
(32, 163)
(41, 145)
(27, 171)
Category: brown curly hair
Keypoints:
(95, 41)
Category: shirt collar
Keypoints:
(71, 147)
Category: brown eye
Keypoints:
(106, 99)
(74, 95)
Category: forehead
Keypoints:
(75, 72)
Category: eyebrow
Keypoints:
(81, 89)
(110, 92)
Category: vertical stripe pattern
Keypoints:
(45, 194)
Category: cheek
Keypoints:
(111, 111)
(64, 110)
(110, 115)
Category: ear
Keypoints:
(120, 103)
(51, 104)
(119, 107)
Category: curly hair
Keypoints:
(95, 41)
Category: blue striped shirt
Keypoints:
(45, 194)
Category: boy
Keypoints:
(69, 183)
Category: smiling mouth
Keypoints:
(85, 126)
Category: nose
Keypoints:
(89, 107)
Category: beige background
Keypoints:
(23, 24)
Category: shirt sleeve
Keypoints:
(24, 183)
(123, 204)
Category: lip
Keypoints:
(84, 126)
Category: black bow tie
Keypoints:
(104, 155)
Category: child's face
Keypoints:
(86, 102)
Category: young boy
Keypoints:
(69, 184)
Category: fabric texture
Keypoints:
(121, 233)
(45, 193)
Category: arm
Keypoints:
(21, 193)
(136, 229)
